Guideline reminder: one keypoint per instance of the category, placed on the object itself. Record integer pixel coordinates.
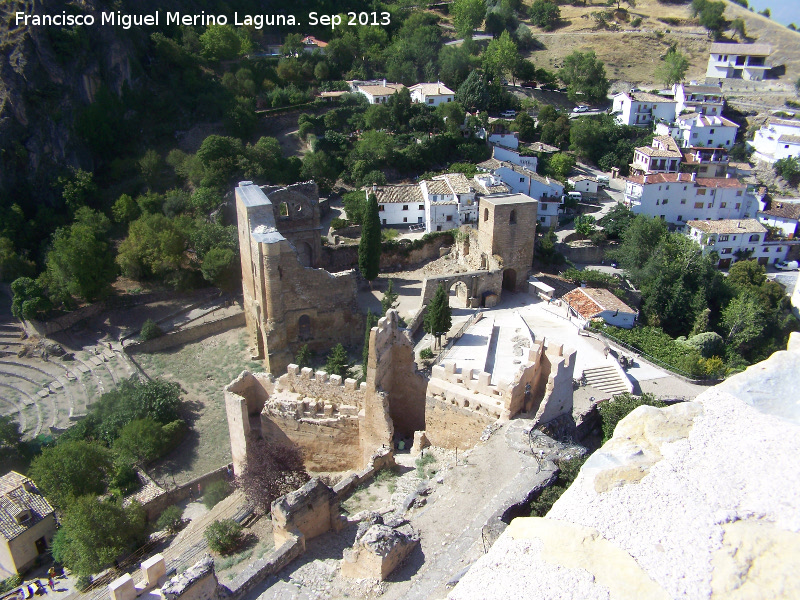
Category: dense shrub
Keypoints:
(224, 536)
(660, 345)
(568, 471)
(426, 353)
(150, 330)
(619, 407)
(338, 223)
(591, 278)
(171, 519)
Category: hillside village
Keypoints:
(493, 299)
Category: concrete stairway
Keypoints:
(606, 379)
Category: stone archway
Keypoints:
(305, 254)
(510, 280)
(459, 295)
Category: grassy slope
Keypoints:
(632, 55)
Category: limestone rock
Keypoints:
(700, 500)
(378, 551)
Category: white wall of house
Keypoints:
(696, 99)
(441, 216)
(742, 66)
(529, 162)
(618, 318)
(431, 99)
(397, 213)
(680, 202)
(509, 140)
(726, 245)
(523, 183)
(704, 132)
(548, 213)
(776, 140)
(786, 225)
(584, 186)
(643, 112)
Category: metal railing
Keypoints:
(461, 330)
(648, 357)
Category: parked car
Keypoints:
(508, 114)
(581, 109)
(791, 265)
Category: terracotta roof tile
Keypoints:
(18, 494)
(405, 194)
(785, 210)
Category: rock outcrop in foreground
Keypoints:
(696, 500)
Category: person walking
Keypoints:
(51, 582)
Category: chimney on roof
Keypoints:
(384, 83)
(374, 187)
(727, 175)
(694, 176)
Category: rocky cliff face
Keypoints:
(698, 500)
(47, 76)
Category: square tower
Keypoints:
(507, 226)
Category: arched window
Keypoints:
(485, 214)
(512, 218)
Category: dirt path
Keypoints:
(462, 509)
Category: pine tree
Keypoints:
(338, 363)
(371, 321)
(438, 319)
(389, 299)
(369, 248)
(303, 358)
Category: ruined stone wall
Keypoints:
(449, 425)
(479, 284)
(287, 302)
(245, 398)
(308, 512)
(320, 385)
(329, 441)
(198, 582)
(557, 398)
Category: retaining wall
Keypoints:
(189, 334)
(156, 506)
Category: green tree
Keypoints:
(10, 439)
(150, 166)
(473, 94)
(150, 330)
(455, 65)
(584, 76)
(369, 247)
(561, 164)
(639, 243)
(125, 209)
(140, 442)
(224, 536)
(738, 27)
(673, 68)
(354, 204)
(467, 15)
(389, 299)
(220, 158)
(710, 16)
(500, 57)
(322, 168)
(338, 363)
(94, 533)
(154, 247)
(80, 262)
(303, 357)
(219, 267)
(29, 300)
(545, 14)
(70, 470)
(220, 42)
(525, 126)
(584, 225)
(438, 318)
(744, 320)
(616, 222)
(78, 189)
(788, 168)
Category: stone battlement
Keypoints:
(320, 386)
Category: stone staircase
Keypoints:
(606, 379)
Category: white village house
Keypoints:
(713, 162)
(376, 92)
(777, 139)
(682, 197)
(400, 204)
(584, 184)
(643, 109)
(703, 99)
(587, 303)
(432, 94)
(522, 180)
(738, 61)
(784, 214)
(662, 156)
(737, 239)
(694, 129)
(512, 156)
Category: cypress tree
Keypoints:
(438, 319)
(369, 248)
